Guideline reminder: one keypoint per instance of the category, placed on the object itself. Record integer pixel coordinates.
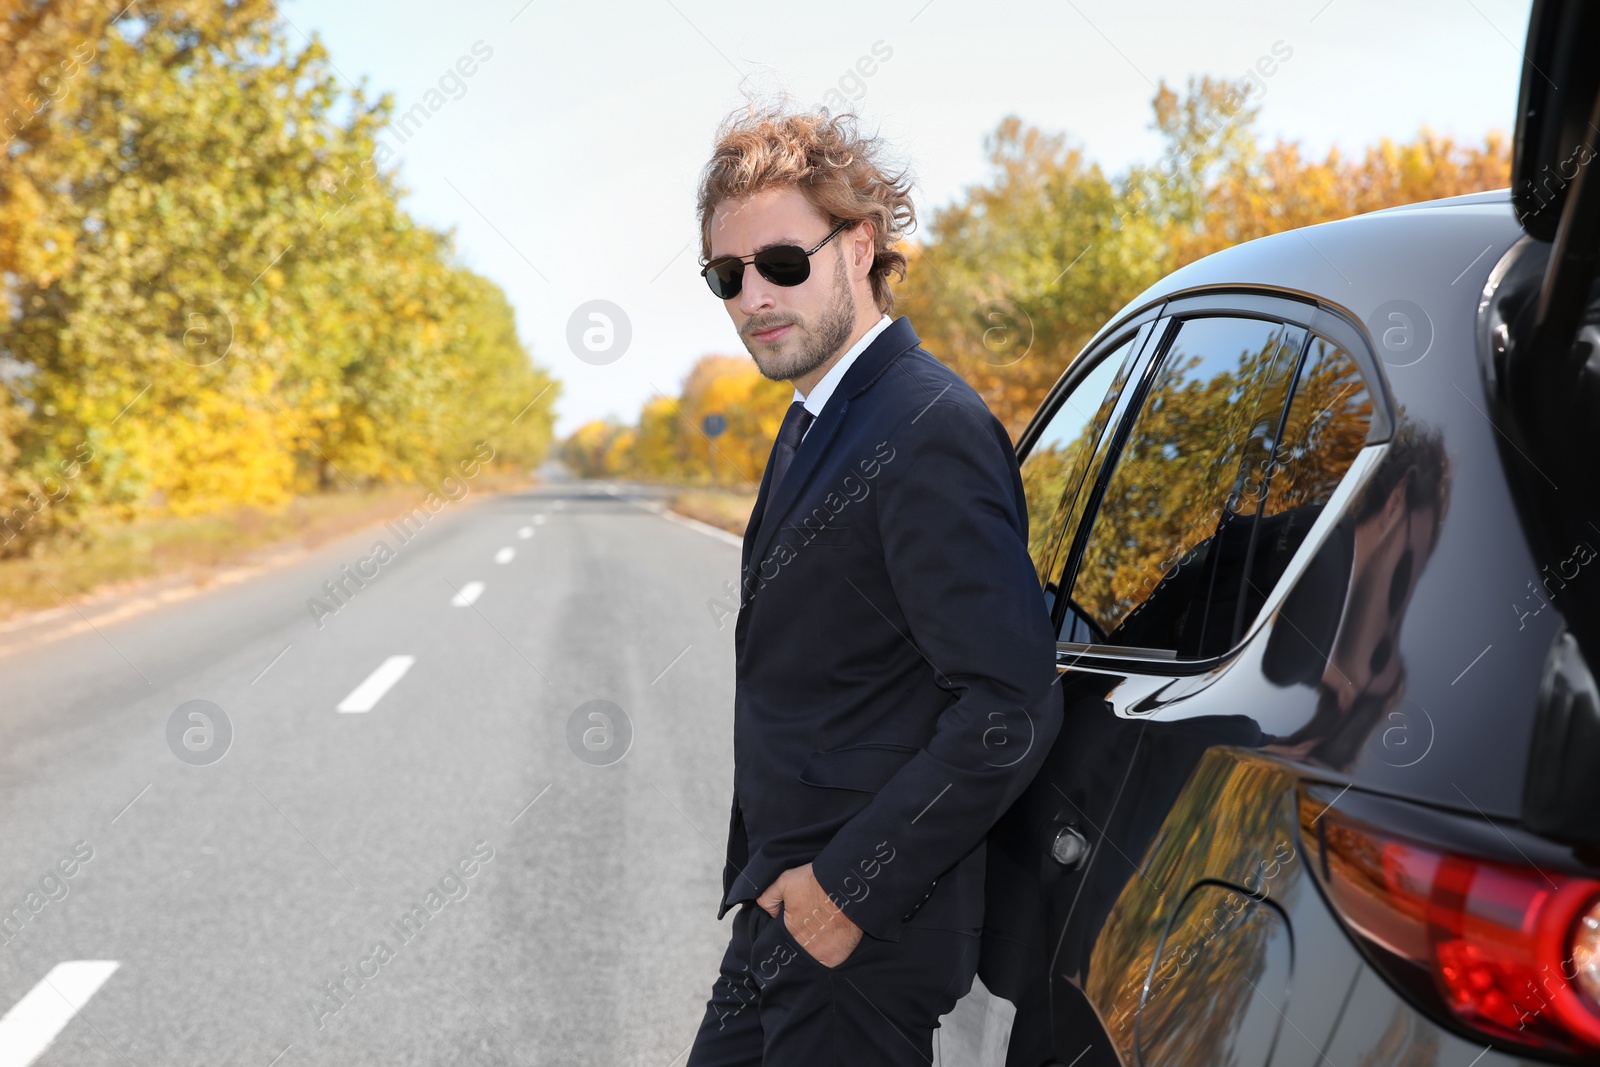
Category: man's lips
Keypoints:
(768, 336)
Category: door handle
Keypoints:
(1070, 848)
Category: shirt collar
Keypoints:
(830, 381)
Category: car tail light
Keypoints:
(1506, 950)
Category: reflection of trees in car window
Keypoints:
(1058, 459)
(1210, 416)
(1326, 427)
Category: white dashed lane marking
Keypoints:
(525, 533)
(35, 1020)
(366, 695)
(539, 520)
(468, 594)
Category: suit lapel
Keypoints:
(753, 526)
(800, 469)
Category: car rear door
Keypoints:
(1253, 418)
(1199, 492)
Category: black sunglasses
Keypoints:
(781, 265)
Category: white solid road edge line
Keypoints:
(35, 1020)
(366, 695)
(704, 527)
(467, 595)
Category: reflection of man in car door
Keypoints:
(1387, 540)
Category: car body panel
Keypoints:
(1439, 259)
(1235, 831)
(1181, 775)
(1411, 684)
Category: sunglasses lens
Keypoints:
(784, 265)
(724, 276)
(1400, 582)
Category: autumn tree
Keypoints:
(215, 295)
(1013, 279)
(671, 440)
(1215, 186)
(1016, 276)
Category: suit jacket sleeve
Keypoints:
(953, 524)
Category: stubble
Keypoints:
(820, 339)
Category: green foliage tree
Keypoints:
(1018, 274)
(214, 292)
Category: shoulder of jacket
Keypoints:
(916, 379)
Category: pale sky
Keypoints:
(566, 162)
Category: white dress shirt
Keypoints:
(830, 381)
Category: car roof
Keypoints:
(1491, 196)
(1435, 253)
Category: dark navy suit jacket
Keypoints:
(895, 659)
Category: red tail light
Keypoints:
(1506, 950)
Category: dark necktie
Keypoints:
(795, 422)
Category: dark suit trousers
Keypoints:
(775, 1006)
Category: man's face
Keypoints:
(789, 331)
(1391, 550)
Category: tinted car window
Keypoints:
(1164, 561)
(1060, 456)
(1326, 427)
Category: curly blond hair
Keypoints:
(834, 166)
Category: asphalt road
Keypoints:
(213, 903)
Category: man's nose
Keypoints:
(755, 292)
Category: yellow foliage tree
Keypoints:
(213, 296)
(671, 442)
(1015, 277)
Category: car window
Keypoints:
(1164, 560)
(1059, 457)
(1326, 427)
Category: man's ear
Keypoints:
(862, 239)
(1394, 507)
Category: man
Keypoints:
(895, 660)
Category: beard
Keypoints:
(819, 339)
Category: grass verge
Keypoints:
(197, 545)
(725, 508)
